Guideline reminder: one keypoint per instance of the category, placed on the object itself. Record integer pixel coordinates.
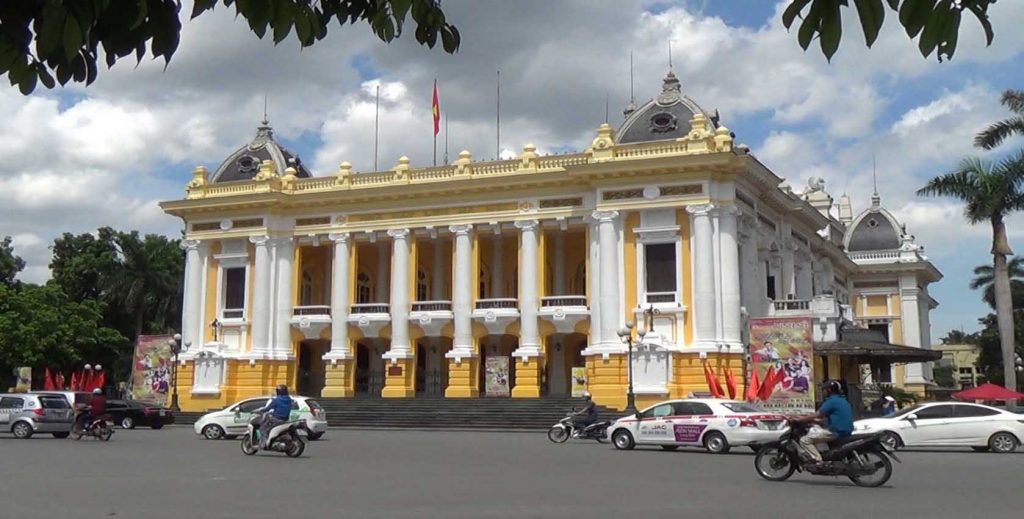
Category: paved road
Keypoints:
(353, 473)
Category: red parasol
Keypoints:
(988, 392)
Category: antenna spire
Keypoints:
(265, 120)
(875, 199)
(670, 54)
(631, 107)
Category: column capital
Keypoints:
(259, 241)
(700, 209)
(604, 216)
(398, 234)
(190, 245)
(281, 240)
(729, 210)
(526, 225)
(338, 237)
(461, 229)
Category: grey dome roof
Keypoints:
(244, 163)
(666, 117)
(874, 229)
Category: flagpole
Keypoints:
(376, 129)
(445, 138)
(497, 118)
(433, 108)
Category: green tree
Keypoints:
(990, 356)
(935, 23)
(10, 265)
(146, 283)
(984, 278)
(81, 263)
(999, 131)
(40, 39)
(959, 337)
(943, 376)
(990, 192)
(41, 326)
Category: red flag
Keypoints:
(768, 384)
(713, 385)
(436, 108)
(59, 380)
(86, 381)
(74, 381)
(753, 387)
(48, 381)
(99, 380)
(730, 383)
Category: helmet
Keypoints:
(832, 387)
(888, 398)
(282, 390)
(97, 391)
(586, 395)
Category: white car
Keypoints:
(948, 424)
(232, 421)
(716, 425)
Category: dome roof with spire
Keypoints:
(245, 162)
(874, 229)
(665, 117)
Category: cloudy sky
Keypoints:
(75, 159)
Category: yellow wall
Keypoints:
(877, 306)
(632, 221)
(683, 221)
(211, 293)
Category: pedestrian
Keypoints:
(888, 405)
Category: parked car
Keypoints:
(25, 414)
(131, 413)
(232, 421)
(949, 424)
(715, 425)
(75, 398)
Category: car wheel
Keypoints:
(669, 447)
(22, 430)
(716, 443)
(315, 436)
(1002, 442)
(213, 432)
(891, 440)
(980, 449)
(127, 423)
(61, 435)
(623, 440)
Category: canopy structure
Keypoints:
(988, 392)
(868, 345)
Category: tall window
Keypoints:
(363, 288)
(234, 292)
(579, 281)
(769, 281)
(660, 267)
(307, 289)
(421, 286)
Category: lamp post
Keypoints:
(176, 348)
(626, 333)
(1018, 366)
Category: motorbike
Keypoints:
(286, 437)
(864, 459)
(100, 428)
(565, 428)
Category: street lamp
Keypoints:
(176, 348)
(1018, 365)
(626, 333)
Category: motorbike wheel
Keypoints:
(558, 434)
(296, 448)
(878, 476)
(247, 446)
(105, 433)
(774, 464)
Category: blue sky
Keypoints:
(78, 158)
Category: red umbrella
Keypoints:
(988, 392)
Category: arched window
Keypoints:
(422, 288)
(364, 288)
(306, 295)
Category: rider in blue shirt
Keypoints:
(836, 412)
(280, 408)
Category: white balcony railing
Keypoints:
(311, 310)
(506, 303)
(554, 301)
(432, 306)
(792, 305)
(370, 308)
(661, 297)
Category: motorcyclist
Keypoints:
(96, 408)
(584, 416)
(280, 407)
(836, 412)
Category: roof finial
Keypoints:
(265, 120)
(875, 199)
(670, 54)
(631, 107)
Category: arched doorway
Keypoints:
(310, 376)
(564, 352)
(421, 369)
(498, 347)
(369, 371)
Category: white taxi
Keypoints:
(233, 420)
(716, 425)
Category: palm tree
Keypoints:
(984, 278)
(994, 135)
(990, 192)
(146, 281)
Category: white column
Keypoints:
(910, 315)
(261, 296)
(529, 332)
(730, 268)
(594, 284)
(805, 281)
(462, 296)
(284, 252)
(559, 270)
(340, 297)
(400, 348)
(381, 287)
(497, 265)
(192, 297)
(611, 315)
(703, 276)
(437, 288)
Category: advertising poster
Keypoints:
(24, 382)
(151, 369)
(496, 377)
(579, 381)
(781, 348)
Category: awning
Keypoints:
(988, 392)
(869, 345)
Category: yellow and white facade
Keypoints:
(403, 282)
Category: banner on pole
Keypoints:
(151, 369)
(496, 383)
(781, 355)
(579, 381)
